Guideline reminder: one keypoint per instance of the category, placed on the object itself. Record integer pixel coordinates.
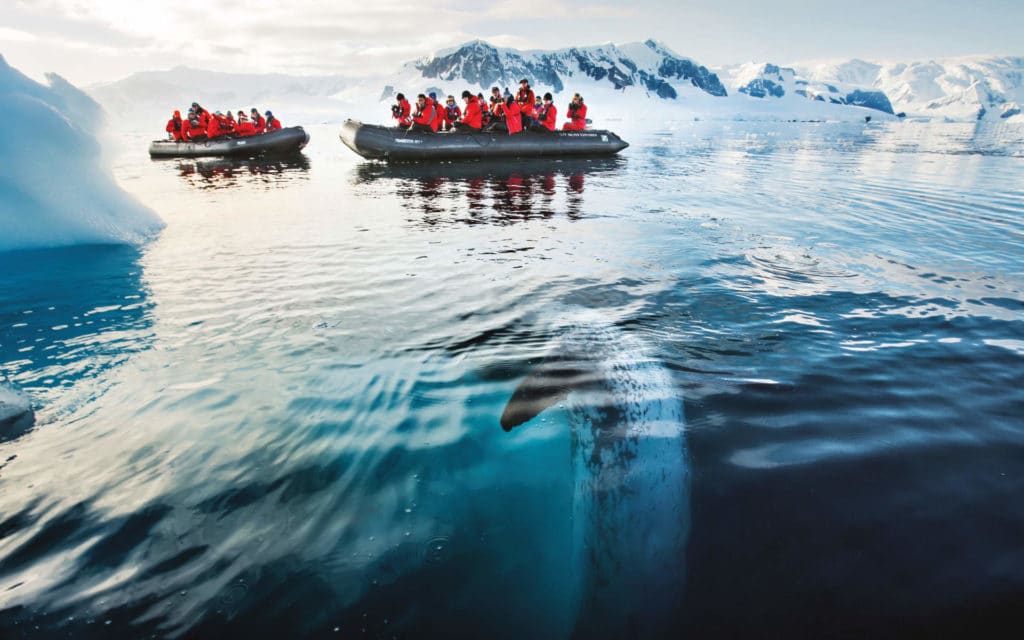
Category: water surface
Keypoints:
(280, 418)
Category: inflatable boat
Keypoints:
(392, 143)
(282, 141)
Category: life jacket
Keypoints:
(452, 112)
(473, 117)
(525, 98)
(513, 118)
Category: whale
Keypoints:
(631, 477)
(16, 414)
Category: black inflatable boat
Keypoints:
(391, 143)
(282, 141)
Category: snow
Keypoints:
(54, 190)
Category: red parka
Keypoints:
(473, 117)
(428, 115)
(404, 118)
(188, 130)
(526, 99)
(513, 117)
(273, 124)
(174, 126)
(548, 116)
(244, 127)
(577, 118)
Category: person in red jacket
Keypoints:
(452, 113)
(425, 117)
(547, 117)
(402, 111)
(472, 117)
(513, 116)
(273, 124)
(202, 115)
(438, 123)
(174, 127)
(525, 98)
(192, 131)
(259, 123)
(577, 115)
(244, 126)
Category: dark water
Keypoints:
(281, 417)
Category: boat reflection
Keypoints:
(490, 192)
(225, 173)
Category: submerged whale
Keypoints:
(632, 481)
(16, 415)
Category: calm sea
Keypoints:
(281, 417)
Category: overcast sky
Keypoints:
(90, 41)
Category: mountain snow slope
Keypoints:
(637, 82)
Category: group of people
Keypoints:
(505, 112)
(200, 125)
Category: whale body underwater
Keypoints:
(631, 511)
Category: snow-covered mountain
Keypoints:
(967, 88)
(772, 81)
(630, 82)
(649, 67)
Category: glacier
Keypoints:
(54, 189)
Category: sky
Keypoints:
(93, 41)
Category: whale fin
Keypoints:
(546, 385)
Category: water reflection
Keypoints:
(71, 314)
(226, 173)
(501, 192)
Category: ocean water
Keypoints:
(281, 418)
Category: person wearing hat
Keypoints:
(273, 124)
(472, 118)
(174, 127)
(425, 119)
(259, 123)
(402, 111)
(438, 123)
(201, 114)
(452, 113)
(577, 115)
(192, 130)
(547, 117)
(526, 98)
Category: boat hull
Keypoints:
(391, 143)
(282, 141)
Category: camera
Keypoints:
(396, 110)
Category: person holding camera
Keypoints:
(472, 118)
(402, 111)
(577, 115)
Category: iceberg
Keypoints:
(54, 189)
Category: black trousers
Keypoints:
(422, 128)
